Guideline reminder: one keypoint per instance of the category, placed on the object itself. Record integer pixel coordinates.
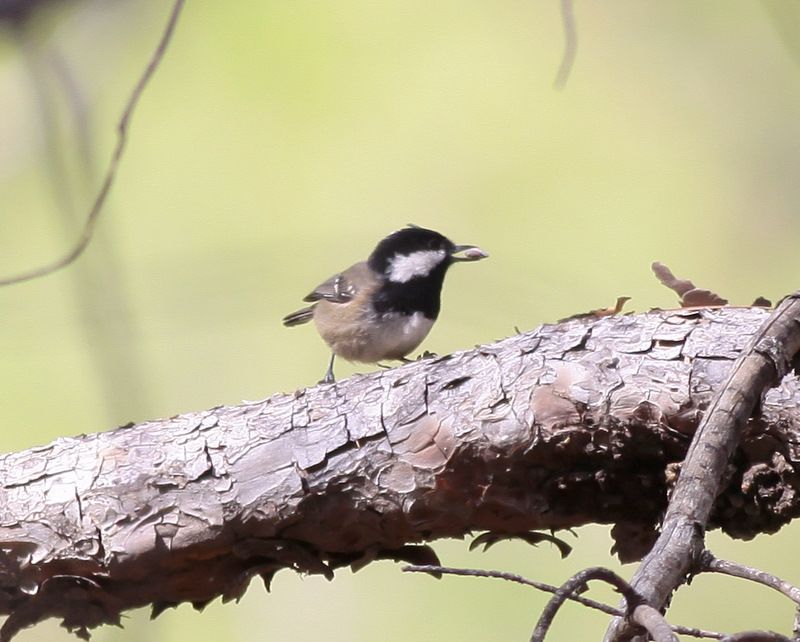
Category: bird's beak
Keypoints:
(468, 253)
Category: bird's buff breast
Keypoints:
(393, 337)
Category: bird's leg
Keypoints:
(329, 378)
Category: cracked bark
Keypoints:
(580, 422)
(764, 362)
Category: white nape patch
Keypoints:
(404, 267)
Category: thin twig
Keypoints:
(711, 564)
(708, 562)
(111, 172)
(549, 588)
(570, 44)
(649, 618)
(512, 577)
(756, 636)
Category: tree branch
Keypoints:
(569, 424)
(763, 363)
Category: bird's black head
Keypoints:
(411, 253)
(413, 262)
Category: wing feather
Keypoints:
(337, 289)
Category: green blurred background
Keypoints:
(281, 139)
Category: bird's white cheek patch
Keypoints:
(405, 267)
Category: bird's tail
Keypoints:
(298, 318)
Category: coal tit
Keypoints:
(383, 308)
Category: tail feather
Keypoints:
(298, 318)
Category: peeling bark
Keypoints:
(762, 364)
(579, 422)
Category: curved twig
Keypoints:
(710, 563)
(570, 45)
(111, 172)
(640, 612)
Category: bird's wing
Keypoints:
(339, 288)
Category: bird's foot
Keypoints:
(406, 360)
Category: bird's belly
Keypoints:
(391, 336)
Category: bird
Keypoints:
(382, 308)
